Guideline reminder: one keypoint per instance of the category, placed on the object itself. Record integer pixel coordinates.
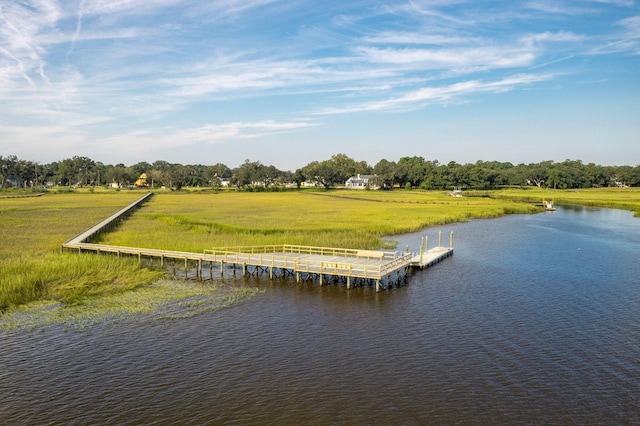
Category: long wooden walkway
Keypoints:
(384, 269)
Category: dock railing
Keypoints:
(311, 250)
(284, 256)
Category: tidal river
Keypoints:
(535, 319)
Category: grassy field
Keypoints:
(346, 219)
(40, 285)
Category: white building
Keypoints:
(360, 182)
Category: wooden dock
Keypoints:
(383, 269)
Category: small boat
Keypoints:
(548, 206)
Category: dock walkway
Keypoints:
(324, 264)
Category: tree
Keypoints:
(140, 168)
(217, 171)
(410, 170)
(84, 170)
(161, 174)
(248, 174)
(66, 172)
(298, 177)
(269, 175)
(7, 165)
(385, 173)
(568, 174)
(324, 173)
(539, 173)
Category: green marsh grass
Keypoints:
(32, 269)
(346, 219)
(619, 198)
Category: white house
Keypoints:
(360, 182)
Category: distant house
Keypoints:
(360, 182)
(13, 181)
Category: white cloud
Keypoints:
(552, 37)
(443, 94)
(631, 25)
(211, 133)
(623, 3)
(476, 57)
(392, 37)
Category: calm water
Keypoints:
(535, 319)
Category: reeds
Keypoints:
(619, 198)
(39, 285)
(346, 219)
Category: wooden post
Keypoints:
(221, 267)
(421, 249)
(440, 239)
(451, 240)
(271, 269)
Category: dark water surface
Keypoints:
(535, 319)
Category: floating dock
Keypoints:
(383, 269)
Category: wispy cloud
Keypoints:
(404, 37)
(623, 3)
(478, 58)
(457, 92)
(168, 137)
(552, 37)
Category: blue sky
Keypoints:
(289, 82)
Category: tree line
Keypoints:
(407, 172)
